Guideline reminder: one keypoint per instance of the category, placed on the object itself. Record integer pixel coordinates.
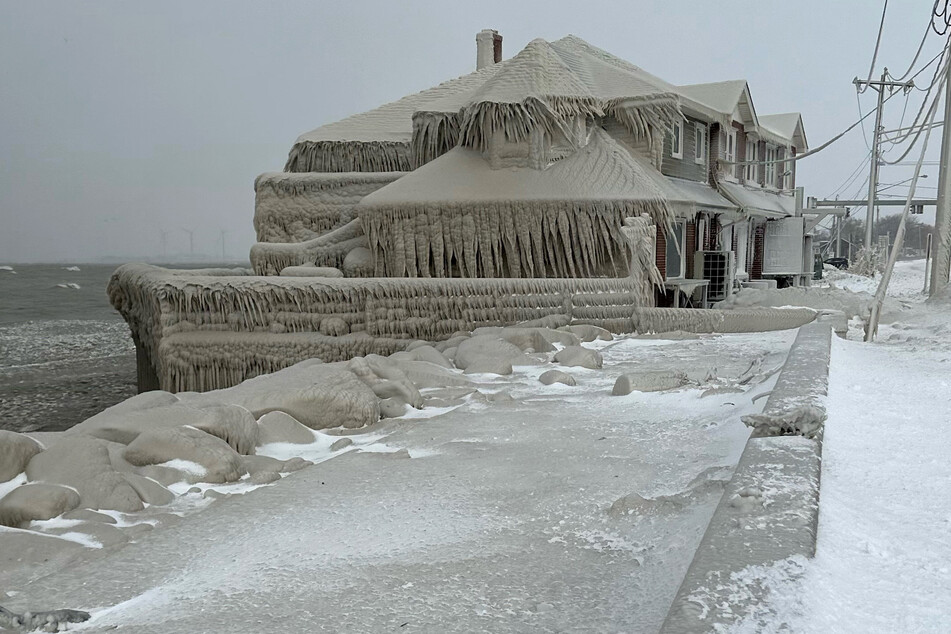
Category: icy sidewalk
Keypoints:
(883, 551)
(558, 509)
(883, 558)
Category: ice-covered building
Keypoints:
(563, 182)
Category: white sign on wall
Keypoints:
(782, 248)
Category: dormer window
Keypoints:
(677, 140)
(700, 145)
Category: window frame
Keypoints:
(769, 173)
(700, 139)
(751, 148)
(677, 140)
(681, 244)
(729, 156)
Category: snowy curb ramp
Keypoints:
(769, 509)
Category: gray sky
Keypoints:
(120, 120)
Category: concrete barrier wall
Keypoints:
(255, 324)
(770, 508)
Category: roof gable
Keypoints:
(787, 125)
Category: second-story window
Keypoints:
(729, 148)
(700, 145)
(751, 167)
(770, 179)
(677, 140)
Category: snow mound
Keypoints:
(851, 303)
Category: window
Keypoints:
(729, 148)
(751, 156)
(676, 243)
(771, 156)
(788, 175)
(677, 140)
(700, 143)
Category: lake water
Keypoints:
(65, 353)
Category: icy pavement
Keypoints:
(542, 508)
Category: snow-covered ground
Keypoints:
(529, 508)
(883, 552)
(554, 508)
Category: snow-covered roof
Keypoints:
(567, 77)
(602, 170)
(608, 76)
(378, 139)
(562, 78)
(788, 126)
(724, 98)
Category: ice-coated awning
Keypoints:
(703, 196)
(759, 202)
(684, 196)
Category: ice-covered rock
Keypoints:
(577, 356)
(36, 501)
(16, 450)
(260, 464)
(221, 462)
(318, 395)
(83, 463)
(424, 374)
(393, 407)
(423, 352)
(557, 376)
(148, 490)
(233, 424)
(490, 351)
(278, 426)
(588, 333)
(648, 381)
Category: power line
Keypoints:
(878, 42)
(851, 177)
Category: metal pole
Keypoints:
(838, 236)
(927, 262)
(941, 260)
(873, 174)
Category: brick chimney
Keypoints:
(488, 48)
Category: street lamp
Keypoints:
(907, 180)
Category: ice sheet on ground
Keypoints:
(503, 525)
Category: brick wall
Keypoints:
(759, 238)
(691, 231)
(661, 252)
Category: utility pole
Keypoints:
(941, 257)
(880, 87)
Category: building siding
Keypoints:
(686, 167)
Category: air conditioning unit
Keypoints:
(720, 268)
